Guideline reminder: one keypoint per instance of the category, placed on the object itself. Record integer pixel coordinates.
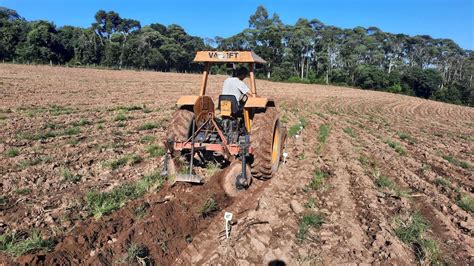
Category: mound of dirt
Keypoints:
(173, 217)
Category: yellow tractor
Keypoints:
(246, 137)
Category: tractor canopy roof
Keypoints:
(228, 57)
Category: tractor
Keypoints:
(245, 135)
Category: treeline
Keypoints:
(111, 41)
(309, 52)
(369, 58)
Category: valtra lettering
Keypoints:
(224, 55)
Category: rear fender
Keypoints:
(253, 105)
(187, 100)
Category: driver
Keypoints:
(235, 85)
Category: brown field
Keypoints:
(364, 162)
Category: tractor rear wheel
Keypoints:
(180, 126)
(266, 140)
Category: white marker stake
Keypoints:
(227, 218)
(285, 155)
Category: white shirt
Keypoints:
(234, 86)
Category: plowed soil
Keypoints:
(55, 120)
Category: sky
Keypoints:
(453, 19)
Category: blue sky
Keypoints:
(452, 19)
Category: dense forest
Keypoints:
(308, 51)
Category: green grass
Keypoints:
(442, 182)
(49, 134)
(82, 122)
(349, 131)
(184, 169)
(425, 168)
(110, 145)
(155, 150)
(311, 203)
(71, 131)
(466, 203)
(384, 182)
(130, 159)
(452, 160)
(306, 222)
(70, 177)
(209, 207)
(121, 117)
(23, 191)
(147, 126)
(132, 252)
(303, 122)
(407, 137)
(396, 146)
(12, 152)
(318, 180)
(412, 230)
(121, 124)
(212, 168)
(56, 110)
(45, 135)
(294, 130)
(34, 161)
(17, 245)
(364, 160)
(103, 203)
(297, 128)
(52, 125)
(130, 108)
(323, 133)
(147, 139)
(141, 210)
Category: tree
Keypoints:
(113, 28)
(9, 14)
(423, 82)
(41, 45)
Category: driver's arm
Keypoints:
(244, 89)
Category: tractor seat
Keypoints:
(234, 105)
